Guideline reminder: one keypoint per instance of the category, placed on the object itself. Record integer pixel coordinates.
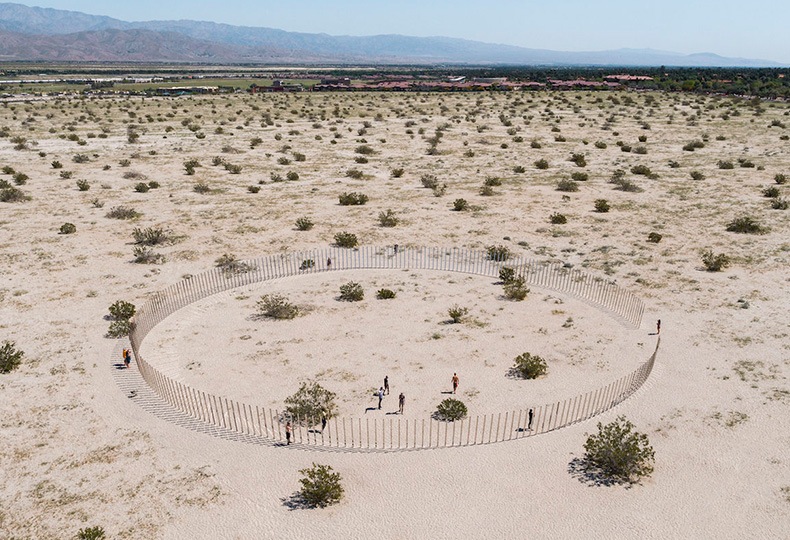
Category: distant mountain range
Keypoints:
(45, 34)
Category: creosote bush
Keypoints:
(541, 164)
(498, 253)
(304, 224)
(346, 239)
(10, 357)
(567, 185)
(771, 192)
(353, 199)
(230, 265)
(351, 292)
(320, 486)
(558, 219)
(429, 181)
(780, 178)
(123, 212)
(83, 185)
(307, 264)
(746, 225)
(388, 219)
(529, 366)
(151, 236)
(457, 313)
(713, 262)
(459, 205)
(507, 274)
(309, 403)
(146, 255)
(120, 314)
(68, 228)
(654, 237)
(618, 453)
(602, 206)
(91, 533)
(385, 294)
(276, 306)
(450, 410)
(516, 289)
(697, 175)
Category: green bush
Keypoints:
(68, 228)
(714, 263)
(771, 192)
(320, 486)
(429, 181)
(507, 274)
(310, 402)
(254, 189)
(307, 264)
(276, 306)
(779, 203)
(623, 184)
(529, 366)
(519, 169)
(654, 237)
(580, 176)
(397, 173)
(619, 453)
(459, 205)
(10, 357)
(780, 179)
(146, 255)
(516, 289)
(13, 194)
(567, 185)
(91, 533)
(292, 176)
(601, 206)
(352, 292)
(57, 164)
(388, 219)
(141, 187)
(346, 240)
(20, 178)
(558, 219)
(641, 169)
(457, 313)
(693, 145)
(365, 150)
(151, 236)
(696, 175)
(498, 253)
(542, 164)
(578, 159)
(450, 410)
(356, 174)
(201, 187)
(123, 212)
(725, 165)
(121, 310)
(600, 144)
(746, 225)
(492, 181)
(304, 224)
(83, 185)
(486, 191)
(385, 294)
(352, 199)
(230, 265)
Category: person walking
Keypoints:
(127, 358)
(288, 432)
(456, 380)
(401, 402)
(529, 423)
(381, 395)
(387, 384)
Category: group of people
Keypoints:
(386, 389)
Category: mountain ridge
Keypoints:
(47, 34)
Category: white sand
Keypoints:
(77, 452)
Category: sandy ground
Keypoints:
(77, 452)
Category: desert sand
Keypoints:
(77, 452)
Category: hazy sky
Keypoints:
(737, 28)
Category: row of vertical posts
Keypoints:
(397, 433)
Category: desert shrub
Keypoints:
(151, 236)
(641, 169)
(519, 169)
(68, 228)
(450, 410)
(298, 156)
(486, 191)
(385, 294)
(13, 194)
(307, 264)
(516, 289)
(346, 240)
(20, 178)
(123, 212)
(120, 310)
(580, 176)
(567, 185)
(541, 164)
(457, 313)
(429, 181)
(625, 147)
(601, 206)
(624, 184)
(673, 164)
(292, 176)
(779, 203)
(558, 219)
(356, 174)
(91, 533)
(600, 144)
(352, 199)
(201, 187)
(276, 306)
(304, 224)
(492, 181)
(498, 253)
(713, 262)
(320, 486)
(460, 205)
(146, 255)
(693, 145)
(780, 178)
(10, 357)
(141, 187)
(654, 237)
(124, 163)
(439, 191)
(388, 219)
(351, 292)
(217, 160)
(641, 150)
(396, 173)
(80, 158)
(310, 402)
(529, 366)
(725, 165)
(230, 265)
(57, 164)
(233, 169)
(275, 177)
(746, 225)
(771, 192)
(745, 163)
(365, 150)
(254, 189)
(618, 453)
(578, 159)
(507, 274)
(697, 175)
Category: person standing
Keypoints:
(658, 327)
(387, 384)
(127, 358)
(401, 402)
(328, 263)
(456, 380)
(529, 423)
(288, 432)
(323, 422)
(381, 395)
